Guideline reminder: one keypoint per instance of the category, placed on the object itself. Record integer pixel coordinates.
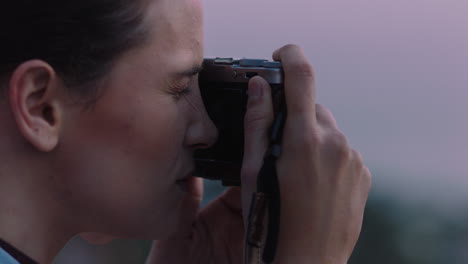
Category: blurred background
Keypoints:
(395, 76)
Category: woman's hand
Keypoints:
(323, 182)
(216, 236)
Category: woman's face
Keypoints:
(121, 163)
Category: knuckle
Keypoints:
(358, 157)
(302, 137)
(311, 141)
(324, 116)
(321, 109)
(291, 47)
(367, 179)
(367, 175)
(337, 142)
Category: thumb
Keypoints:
(257, 122)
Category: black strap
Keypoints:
(267, 183)
(16, 254)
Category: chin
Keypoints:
(145, 231)
(166, 230)
(179, 222)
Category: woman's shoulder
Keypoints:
(11, 255)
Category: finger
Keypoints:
(299, 82)
(367, 180)
(357, 163)
(325, 117)
(257, 122)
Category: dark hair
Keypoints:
(80, 39)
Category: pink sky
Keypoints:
(394, 73)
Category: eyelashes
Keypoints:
(179, 93)
(179, 89)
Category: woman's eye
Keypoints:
(182, 92)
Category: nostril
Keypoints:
(214, 136)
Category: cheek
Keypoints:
(123, 164)
(156, 134)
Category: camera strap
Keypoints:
(268, 184)
(266, 204)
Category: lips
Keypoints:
(187, 176)
(185, 182)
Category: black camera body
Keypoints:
(223, 85)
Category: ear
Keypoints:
(35, 103)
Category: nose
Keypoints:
(202, 133)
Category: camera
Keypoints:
(223, 85)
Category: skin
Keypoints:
(116, 169)
(323, 182)
(113, 169)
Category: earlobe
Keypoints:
(35, 104)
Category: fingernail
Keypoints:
(255, 89)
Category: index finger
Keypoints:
(299, 81)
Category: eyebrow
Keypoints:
(189, 72)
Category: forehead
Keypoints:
(175, 44)
(177, 25)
